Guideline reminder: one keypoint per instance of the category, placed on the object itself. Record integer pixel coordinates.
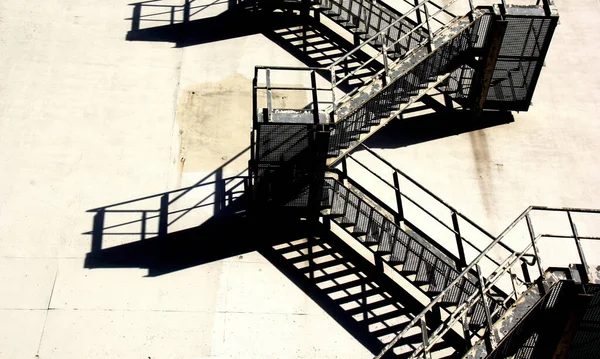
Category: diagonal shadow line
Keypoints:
(365, 301)
(410, 131)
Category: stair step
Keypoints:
(399, 248)
(426, 268)
(439, 280)
(374, 231)
(387, 239)
(413, 258)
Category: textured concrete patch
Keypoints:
(215, 120)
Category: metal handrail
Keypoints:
(384, 48)
(503, 268)
(433, 195)
(426, 211)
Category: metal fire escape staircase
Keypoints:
(471, 289)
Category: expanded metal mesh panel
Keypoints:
(286, 163)
(458, 84)
(586, 343)
(480, 31)
(524, 36)
(279, 142)
(512, 80)
(520, 61)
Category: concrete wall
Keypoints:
(88, 119)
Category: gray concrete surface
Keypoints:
(88, 119)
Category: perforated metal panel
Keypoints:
(520, 61)
(586, 343)
(285, 164)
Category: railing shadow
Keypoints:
(166, 232)
(304, 37)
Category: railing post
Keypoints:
(269, 97)
(135, 18)
(579, 248)
(98, 231)
(490, 339)
(429, 35)
(512, 282)
(143, 229)
(459, 243)
(186, 11)
(418, 13)
(344, 169)
(534, 245)
(163, 215)
(315, 97)
(333, 86)
(400, 216)
(385, 60)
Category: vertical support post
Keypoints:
(98, 231)
(490, 340)
(471, 5)
(400, 217)
(429, 35)
(459, 243)
(418, 13)
(385, 60)
(333, 86)
(219, 192)
(143, 229)
(163, 215)
(512, 282)
(135, 18)
(579, 248)
(269, 97)
(315, 98)
(172, 15)
(344, 169)
(482, 81)
(186, 11)
(535, 248)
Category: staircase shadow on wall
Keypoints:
(424, 128)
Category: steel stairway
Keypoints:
(426, 267)
(468, 294)
(362, 299)
(365, 111)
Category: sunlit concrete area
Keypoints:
(127, 134)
